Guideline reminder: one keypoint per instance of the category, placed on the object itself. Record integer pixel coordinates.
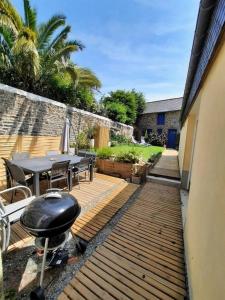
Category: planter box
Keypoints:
(120, 169)
(136, 179)
(114, 168)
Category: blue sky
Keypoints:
(141, 44)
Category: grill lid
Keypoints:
(50, 214)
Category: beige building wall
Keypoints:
(183, 134)
(189, 131)
(205, 223)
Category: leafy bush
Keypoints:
(82, 141)
(154, 157)
(91, 131)
(156, 139)
(124, 106)
(114, 143)
(131, 156)
(104, 153)
(120, 139)
(117, 112)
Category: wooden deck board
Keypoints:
(105, 190)
(143, 256)
(96, 218)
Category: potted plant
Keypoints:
(81, 141)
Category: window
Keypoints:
(149, 130)
(161, 119)
(159, 131)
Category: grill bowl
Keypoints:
(50, 214)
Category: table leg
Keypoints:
(36, 184)
(70, 180)
(91, 172)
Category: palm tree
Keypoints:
(38, 52)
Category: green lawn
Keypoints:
(145, 151)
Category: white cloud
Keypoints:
(145, 53)
(147, 29)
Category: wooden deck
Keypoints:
(108, 192)
(143, 257)
(88, 225)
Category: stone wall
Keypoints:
(23, 113)
(149, 121)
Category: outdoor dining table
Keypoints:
(39, 165)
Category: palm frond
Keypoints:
(46, 30)
(60, 38)
(82, 77)
(6, 56)
(78, 44)
(7, 9)
(62, 53)
(74, 74)
(5, 21)
(30, 15)
(6, 36)
(88, 79)
(26, 58)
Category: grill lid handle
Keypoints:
(53, 195)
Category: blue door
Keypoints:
(172, 137)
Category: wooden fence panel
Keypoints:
(35, 145)
(102, 137)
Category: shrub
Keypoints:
(114, 143)
(156, 139)
(120, 139)
(117, 112)
(104, 153)
(82, 141)
(155, 157)
(131, 156)
(91, 132)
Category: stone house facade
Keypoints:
(162, 117)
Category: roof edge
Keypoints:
(165, 99)
(205, 12)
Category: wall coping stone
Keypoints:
(34, 97)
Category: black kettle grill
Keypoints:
(49, 216)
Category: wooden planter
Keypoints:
(120, 169)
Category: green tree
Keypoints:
(125, 98)
(35, 56)
(117, 111)
(133, 101)
(140, 101)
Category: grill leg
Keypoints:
(43, 262)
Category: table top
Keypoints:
(44, 163)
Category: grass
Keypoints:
(145, 151)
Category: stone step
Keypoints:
(164, 181)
